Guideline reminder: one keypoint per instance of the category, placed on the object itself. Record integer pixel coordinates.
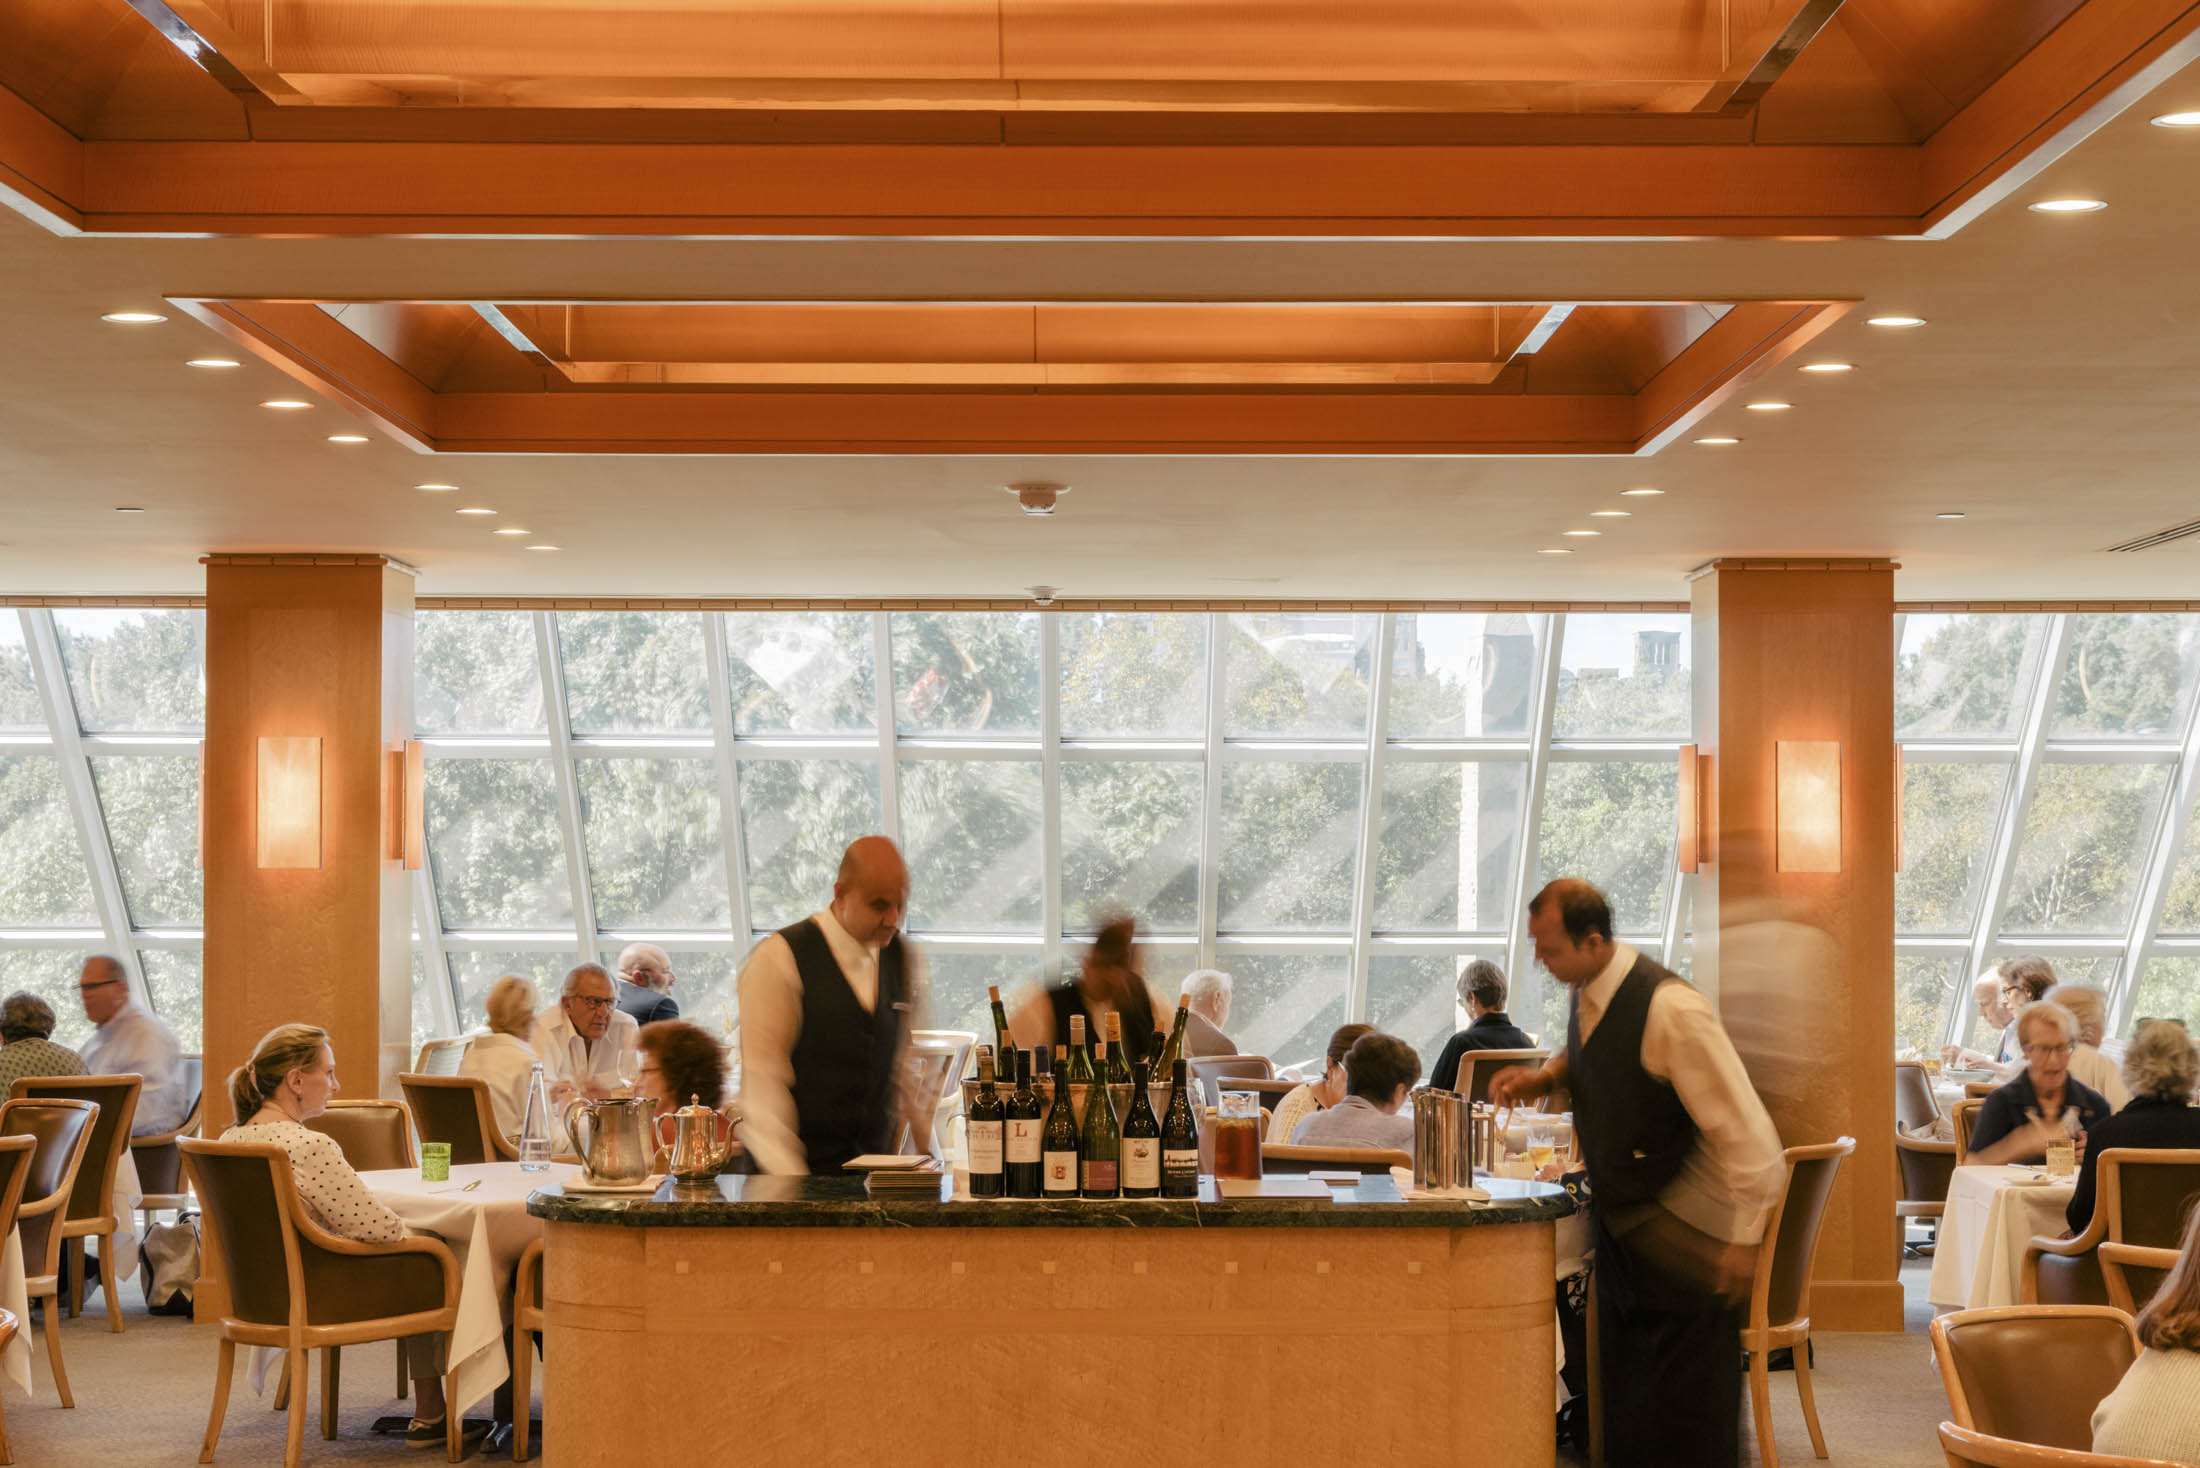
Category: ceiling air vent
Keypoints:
(2159, 537)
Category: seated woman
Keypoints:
(2022, 1117)
(682, 1062)
(1304, 1100)
(2161, 1067)
(502, 1058)
(286, 1083)
(2155, 1410)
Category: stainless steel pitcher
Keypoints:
(612, 1136)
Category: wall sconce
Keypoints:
(1807, 788)
(408, 834)
(290, 802)
(1692, 849)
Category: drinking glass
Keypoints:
(630, 1065)
(435, 1162)
(1237, 1136)
(1542, 1133)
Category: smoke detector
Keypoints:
(1037, 497)
(1042, 596)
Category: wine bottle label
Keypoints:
(1181, 1166)
(985, 1146)
(1141, 1163)
(1023, 1140)
(1061, 1172)
(1099, 1176)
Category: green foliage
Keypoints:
(634, 672)
(1290, 841)
(2127, 674)
(970, 830)
(1924, 986)
(1298, 673)
(1430, 872)
(797, 817)
(151, 803)
(2084, 844)
(50, 973)
(1133, 674)
(1462, 675)
(44, 882)
(1614, 822)
(1948, 812)
(801, 672)
(1286, 1005)
(966, 672)
(1416, 997)
(20, 707)
(1130, 840)
(1962, 676)
(142, 671)
(476, 673)
(656, 857)
(493, 837)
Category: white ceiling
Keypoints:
(2054, 398)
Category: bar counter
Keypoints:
(769, 1321)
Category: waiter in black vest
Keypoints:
(1684, 1165)
(827, 1006)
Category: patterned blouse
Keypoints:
(332, 1192)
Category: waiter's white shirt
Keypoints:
(135, 1042)
(770, 989)
(565, 1056)
(1733, 1174)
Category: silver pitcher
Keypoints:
(612, 1136)
(697, 1153)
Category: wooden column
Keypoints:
(1802, 962)
(321, 647)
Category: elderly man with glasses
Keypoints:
(579, 1038)
(128, 1040)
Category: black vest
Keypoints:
(844, 1057)
(1138, 1031)
(1635, 1133)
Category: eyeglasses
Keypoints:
(590, 1001)
(101, 984)
(2041, 1052)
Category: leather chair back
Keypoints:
(454, 1110)
(1279, 1160)
(441, 1057)
(374, 1135)
(1914, 1103)
(1965, 1116)
(1481, 1067)
(1208, 1071)
(1925, 1168)
(62, 1132)
(237, 1186)
(116, 1097)
(1966, 1449)
(1979, 1090)
(1995, 1362)
(2148, 1193)
(1782, 1292)
(159, 1164)
(16, 1156)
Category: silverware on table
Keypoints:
(466, 1189)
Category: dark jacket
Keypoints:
(1493, 1031)
(2147, 1121)
(645, 1003)
(2009, 1107)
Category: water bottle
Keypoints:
(534, 1131)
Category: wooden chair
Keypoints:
(1922, 1171)
(1477, 1068)
(526, 1324)
(159, 1164)
(376, 1136)
(295, 1286)
(92, 1202)
(7, 1338)
(1964, 1117)
(456, 1110)
(1282, 1160)
(1993, 1363)
(1207, 1071)
(62, 1133)
(2140, 1197)
(1779, 1297)
(1980, 1090)
(1269, 1089)
(2133, 1272)
(1968, 1449)
(441, 1057)
(1915, 1105)
(15, 1171)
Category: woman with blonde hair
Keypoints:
(502, 1059)
(2155, 1410)
(287, 1082)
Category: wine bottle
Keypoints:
(1179, 1138)
(1058, 1144)
(1003, 1068)
(1119, 1066)
(1080, 1058)
(1000, 1013)
(1101, 1157)
(1025, 1167)
(1141, 1140)
(1172, 1049)
(982, 1132)
(1042, 1070)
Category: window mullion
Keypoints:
(1050, 793)
(568, 782)
(1371, 803)
(882, 682)
(435, 964)
(1210, 813)
(731, 836)
(1525, 984)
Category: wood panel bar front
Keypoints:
(1051, 1344)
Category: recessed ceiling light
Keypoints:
(1641, 490)
(213, 362)
(1949, 515)
(542, 547)
(1718, 440)
(1610, 514)
(1768, 407)
(2067, 206)
(510, 530)
(476, 510)
(2178, 119)
(1894, 321)
(286, 405)
(1829, 366)
(134, 318)
(436, 488)
(1584, 532)
(1554, 550)
(347, 438)
(129, 509)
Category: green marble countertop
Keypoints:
(843, 1202)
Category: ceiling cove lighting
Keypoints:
(1610, 514)
(2067, 206)
(213, 363)
(1894, 321)
(1829, 366)
(1554, 550)
(286, 405)
(347, 438)
(511, 530)
(1718, 439)
(542, 547)
(1949, 515)
(129, 509)
(436, 488)
(1583, 533)
(2178, 119)
(1641, 490)
(1768, 407)
(476, 510)
(133, 318)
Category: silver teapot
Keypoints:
(612, 1136)
(698, 1154)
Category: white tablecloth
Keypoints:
(1993, 1212)
(488, 1229)
(127, 1193)
(15, 1296)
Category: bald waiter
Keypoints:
(827, 1006)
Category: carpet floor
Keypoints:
(142, 1397)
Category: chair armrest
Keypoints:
(2029, 1271)
(434, 1248)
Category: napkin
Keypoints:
(1403, 1177)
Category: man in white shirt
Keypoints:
(578, 1039)
(126, 1040)
(1684, 1165)
(827, 1007)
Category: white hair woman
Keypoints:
(2161, 1067)
(502, 1058)
(2044, 1102)
(2089, 1007)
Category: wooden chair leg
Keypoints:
(404, 1378)
(294, 1445)
(454, 1421)
(224, 1369)
(1760, 1407)
(523, 1389)
(282, 1387)
(332, 1372)
(74, 1248)
(1810, 1402)
(107, 1283)
(50, 1307)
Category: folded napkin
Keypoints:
(1403, 1177)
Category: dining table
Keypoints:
(1993, 1212)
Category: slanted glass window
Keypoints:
(971, 830)
(1130, 842)
(1449, 845)
(44, 880)
(476, 673)
(1623, 676)
(802, 672)
(1965, 675)
(1286, 1005)
(2084, 845)
(1133, 675)
(634, 672)
(1948, 815)
(1298, 674)
(1614, 822)
(2127, 675)
(656, 857)
(1463, 675)
(1290, 837)
(20, 707)
(493, 837)
(968, 673)
(797, 817)
(142, 670)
